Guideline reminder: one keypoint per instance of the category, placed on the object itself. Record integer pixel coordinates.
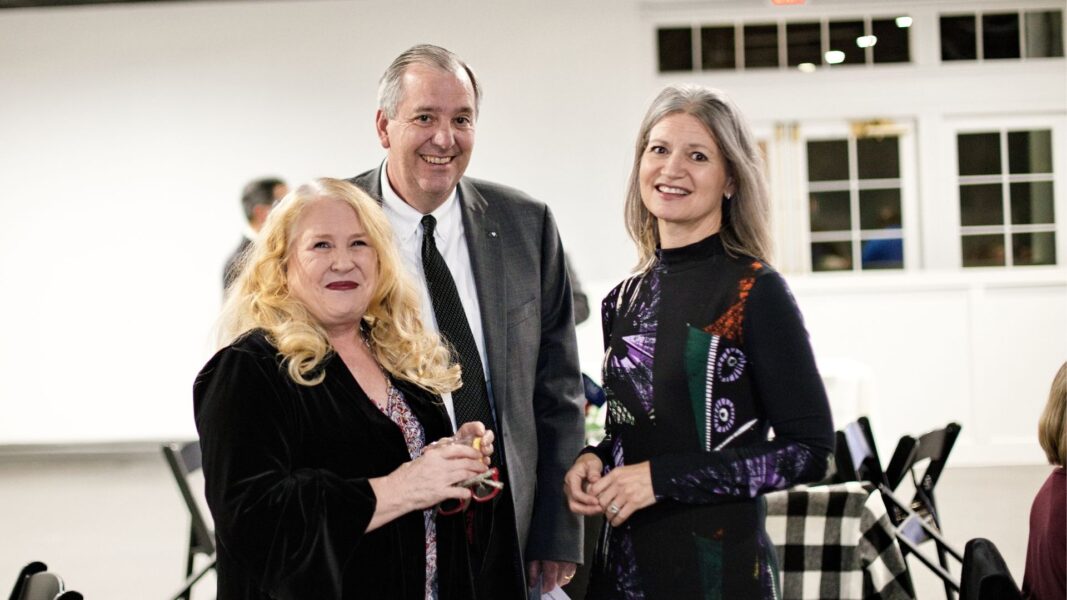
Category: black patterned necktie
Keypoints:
(471, 402)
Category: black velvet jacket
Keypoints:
(287, 469)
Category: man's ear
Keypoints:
(381, 123)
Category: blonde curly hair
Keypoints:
(260, 299)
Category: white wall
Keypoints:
(126, 133)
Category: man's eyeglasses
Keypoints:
(484, 487)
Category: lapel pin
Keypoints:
(492, 234)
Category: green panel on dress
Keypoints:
(700, 350)
(709, 561)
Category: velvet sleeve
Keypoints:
(790, 396)
(290, 528)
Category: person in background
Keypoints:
(1045, 577)
(496, 287)
(257, 199)
(581, 301)
(328, 465)
(706, 351)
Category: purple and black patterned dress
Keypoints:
(705, 353)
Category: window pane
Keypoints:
(880, 209)
(878, 158)
(830, 211)
(892, 45)
(1000, 35)
(828, 160)
(1044, 34)
(983, 250)
(958, 39)
(979, 153)
(761, 46)
(1030, 151)
(843, 35)
(831, 256)
(675, 49)
(717, 48)
(882, 254)
(981, 205)
(1034, 248)
(804, 43)
(1031, 203)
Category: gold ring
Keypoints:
(568, 577)
(613, 509)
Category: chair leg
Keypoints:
(186, 592)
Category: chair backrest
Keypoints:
(856, 455)
(184, 460)
(985, 576)
(35, 582)
(934, 446)
(42, 586)
(23, 576)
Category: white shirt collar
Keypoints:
(407, 222)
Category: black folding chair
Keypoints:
(35, 582)
(184, 460)
(932, 449)
(985, 576)
(856, 458)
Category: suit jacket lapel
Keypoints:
(487, 263)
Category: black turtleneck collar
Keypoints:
(674, 258)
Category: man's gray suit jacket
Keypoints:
(528, 325)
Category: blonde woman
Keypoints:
(318, 417)
(1045, 577)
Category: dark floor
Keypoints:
(114, 526)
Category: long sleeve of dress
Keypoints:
(290, 528)
(792, 399)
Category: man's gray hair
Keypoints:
(391, 85)
(259, 191)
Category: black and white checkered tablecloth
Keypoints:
(836, 541)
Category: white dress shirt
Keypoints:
(452, 244)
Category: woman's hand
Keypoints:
(425, 481)
(476, 430)
(583, 474)
(624, 491)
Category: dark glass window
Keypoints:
(983, 250)
(675, 49)
(830, 211)
(1034, 248)
(717, 50)
(828, 160)
(892, 45)
(878, 158)
(958, 38)
(880, 209)
(1030, 151)
(803, 43)
(831, 256)
(981, 204)
(979, 153)
(1032, 203)
(1000, 35)
(1044, 34)
(843, 36)
(761, 46)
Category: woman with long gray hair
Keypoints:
(706, 351)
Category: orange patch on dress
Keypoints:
(728, 326)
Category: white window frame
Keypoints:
(1002, 125)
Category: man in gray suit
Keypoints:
(504, 255)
